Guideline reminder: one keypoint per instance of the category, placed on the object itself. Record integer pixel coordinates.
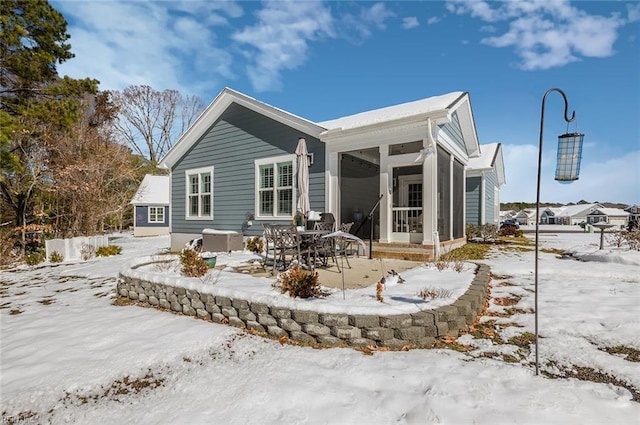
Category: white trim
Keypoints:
(160, 207)
(273, 161)
(187, 173)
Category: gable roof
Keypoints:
(154, 190)
(215, 109)
(438, 108)
(571, 210)
(390, 113)
(616, 212)
(490, 159)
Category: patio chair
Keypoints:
(287, 244)
(270, 246)
(345, 245)
(325, 248)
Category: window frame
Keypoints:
(157, 208)
(188, 195)
(274, 161)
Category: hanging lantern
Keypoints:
(569, 156)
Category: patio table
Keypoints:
(310, 242)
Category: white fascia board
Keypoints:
(215, 109)
(499, 167)
(452, 147)
(467, 125)
(377, 133)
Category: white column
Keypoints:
(482, 200)
(386, 201)
(451, 197)
(430, 197)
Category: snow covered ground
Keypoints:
(69, 355)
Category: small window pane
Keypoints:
(206, 204)
(285, 202)
(206, 182)
(266, 203)
(285, 174)
(266, 176)
(193, 205)
(193, 186)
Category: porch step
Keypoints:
(403, 251)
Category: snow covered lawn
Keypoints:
(68, 355)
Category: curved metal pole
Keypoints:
(568, 120)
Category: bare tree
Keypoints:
(93, 177)
(151, 121)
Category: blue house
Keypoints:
(235, 168)
(151, 207)
(485, 177)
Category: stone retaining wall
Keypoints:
(326, 329)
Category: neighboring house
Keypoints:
(575, 214)
(485, 177)
(507, 215)
(526, 217)
(235, 169)
(634, 213)
(151, 207)
(549, 214)
(614, 216)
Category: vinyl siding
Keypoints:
(453, 130)
(490, 182)
(231, 145)
(473, 200)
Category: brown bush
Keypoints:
(192, 264)
(300, 283)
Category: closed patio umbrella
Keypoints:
(303, 177)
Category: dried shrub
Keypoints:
(433, 293)
(300, 283)
(633, 238)
(621, 238)
(56, 257)
(161, 264)
(510, 231)
(192, 264)
(108, 250)
(87, 251)
(379, 289)
(256, 245)
(34, 258)
(487, 232)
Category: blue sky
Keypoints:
(324, 60)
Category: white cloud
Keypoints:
(125, 43)
(410, 22)
(357, 27)
(281, 37)
(433, 20)
(612, 180)
(547, 34)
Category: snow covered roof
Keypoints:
(490, 159)
(612, 212)
(571, 210)
(154, 190)
(390, 113)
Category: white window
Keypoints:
(275, 187)
(199, 199)
(156, 215)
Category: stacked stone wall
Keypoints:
(307, 326)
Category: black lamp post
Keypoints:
(567, 171)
